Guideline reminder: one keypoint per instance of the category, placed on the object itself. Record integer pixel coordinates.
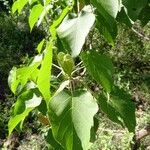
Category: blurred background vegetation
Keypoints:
(131, 58)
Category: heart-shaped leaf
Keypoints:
(74, 31)
(71, 117)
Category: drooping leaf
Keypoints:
(74, 31)
(119, 108)
(44, 74)
(25, 103)
(100, 68)
(134, 7)
(71, 117)
(107, 27)
(34, 15)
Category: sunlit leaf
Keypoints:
(44, 74)
(19, 5)
(34, 14)
(26, 102)
(74, 31)
(71, 117)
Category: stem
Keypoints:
(57, 67)
(77, 70)
(140, 35)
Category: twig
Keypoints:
(140, 35)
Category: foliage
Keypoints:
(16, 45)
(70, 108)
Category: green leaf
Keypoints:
(44, 74)
(124, 18)
(74, 31)
(53, 144)
(34, 14)
(71, 117)
(14, 121)
(22, 75)
(108, 27)
(110, 7)
(119, 108)
(12, 80)
(100, 68)
(19, 5)
(134, 7)
(66, 62)
(144, 16)
(40, 46)
(26, 102)
(62, 86)
(43, 13)
(57, 22)
(107, 12)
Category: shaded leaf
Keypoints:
(100, 68)
(134, 7)
(108, 27)
(119, 108)
(53, 144)
(124, 18)
(144, 16)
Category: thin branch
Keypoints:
(57, 67)
(140, 35)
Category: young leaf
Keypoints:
(66, 62)
(74, 31)
(100, 68)
(34, 15)
(71, 117)
(44, 74)
(119, 108)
